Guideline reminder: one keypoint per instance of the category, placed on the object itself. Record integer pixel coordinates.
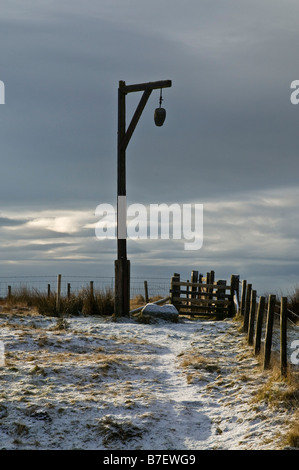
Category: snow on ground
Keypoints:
(91, 383)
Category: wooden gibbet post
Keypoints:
(283, 336)
(122, 264)
(259, 325)
(58, 293)
(269, 330)
(122, 287)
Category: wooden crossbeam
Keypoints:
(147, 86)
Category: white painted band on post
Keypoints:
(2, 92)
(121, 217)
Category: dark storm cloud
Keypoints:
(231, 71)
(8, 222)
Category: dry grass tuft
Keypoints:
(198, 362)
(138, 301)
(292, 438)
(21, 429)
(101, 302)
(280, 392)
(113, 432)
(283, 393)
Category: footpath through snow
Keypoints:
(91, 383)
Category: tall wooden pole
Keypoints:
(122, 264)
(121, 166)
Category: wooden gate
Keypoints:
(204, 296)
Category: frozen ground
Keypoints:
(95, 384)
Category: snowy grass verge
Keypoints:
(92, 383)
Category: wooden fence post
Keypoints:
(212, 279)
(9, 292)
(187, 292)
(259, 325)
(269, 330)
(207, 282)
(200, 276)
(91, 288)
(194, 278)
(145, 292)
(283, 336)
(49, 291)
(58, 293)
(247, 308)
(68, 290)
(252, 317)
(243, 298)
(234, 287)
(175, 290)
(221, 285)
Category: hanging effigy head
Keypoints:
(160, 113)
(159, 116)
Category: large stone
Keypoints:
(166, 312)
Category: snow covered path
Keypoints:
(97, 384)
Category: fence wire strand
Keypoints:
(156, 286)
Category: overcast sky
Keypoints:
(229, 142)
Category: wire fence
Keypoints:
(42, 284)
(293, 318)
